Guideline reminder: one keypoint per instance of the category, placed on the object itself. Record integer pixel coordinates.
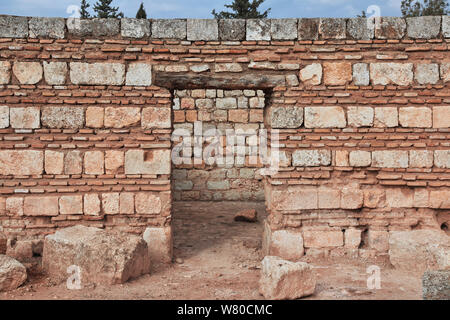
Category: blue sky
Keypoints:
(202, 8)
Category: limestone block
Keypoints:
(97, 73)
(53, 28)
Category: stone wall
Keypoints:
(362, 107)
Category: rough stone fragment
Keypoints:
(258, 30)
(385, 73)
(4, 117)
(21, 162)
(63, 117)
(386, 117)
(102, 257)
(54, 162)
(446, 26)
(295, 198)
(96, 27)
(53, 28)
(311, 158)
(97, 73)
(361, 75)
(361, 28)
(421, 158)
(441, 117)
(292, 80)
(308, 29)
(351, 198)
(169, 29)
(24, 118)
(71, 204)
(73, 162)
(27, 72)
(390, 28)
(286, 280)
(374, 198)
(312, 74)
(442, 158)
(337, 73)
(325, 117)
(199, 68)
(419, 250)
(147, 203)
(378, 240)
(286, 117)
(427, 73)
(323, 238)
(427, 27)
(121, 117)
(436, 285)
(332, 28)
(360, 116)
(55, 72)
(202, 29)
(147, 162)
(249, 215)
(13, 27)
(41, 206)
(12, 273)
(231, 29)
(5, 72)
(94, 162)
(135, 28)
(415, 117)
(360, 158)
(156, 117)
(284, 29)
(91, 204)
(139, 74)
(390, 159)
(160, 244)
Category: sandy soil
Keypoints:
(217, 258)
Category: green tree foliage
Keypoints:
(141, 14)
(242, 9)
(84, 14)
(104, 9)
(417, 8)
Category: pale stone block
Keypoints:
(325, 117)
(54, 162)
(139, 74)
(147, 203)
(421, 158)
(91, 205)
(27, 72)
(71, 204)
(147, 162)
(415, 117)
(97, 73)
(390, 159)
(360, 158)
(360, 116)
(21, 162)
(94, 162)
(386, 117)
(385, 73)
(311, 158)
(156, 117)
(110, 203)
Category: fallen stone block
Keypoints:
(12, 273)
(436, 285)
(102, 257)
(285, 280)
(249, 215)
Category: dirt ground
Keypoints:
(217, 258)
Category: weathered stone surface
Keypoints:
(53, 28)
(360, 158)
(12, 273)
(442, 158)
(248, 215)
(63, 117)
(415, 117)
(439, 199)
(325, 117)
(445, 71)
(390, 28)
(286, 280)
(5, 72)
(423, 27)
(54, 162)
(139, 74)
(441, 117)
(126, 203)
(135, 28)
(71, 204)
(55, 72)
(292, 80)
(73, 162)
(360, 116)
(329, 198)
(160, 244)
(311, 74)
(361, 75)
(21, 162)
(419, 250)
(286, 117)
(24, 118)
(228, 67)
(378, 240)
(337, 73)
(283, 29)
(285, 244)
(4, 117)
(231, 29)
(94, 162)
(202, 29)
(41, 206)
(352, 238)
(148, 203)
(95, 117)
(27, 72)
(91, 204)
(111, 203)
(295, 198)
(102, 257)
(361, 28)
(332, 28)
(351, 198)
(97, 73)
(311, 158)
(13, 27)
(391, 73)
(156, 117)
(323, 238)
(169, 29)
(390, 159)
(258, 30)
(147, 162)
(386, 117)
(114, 161)
(121, 117)
(199, 68)
(95, 27)
(436, 285)
(427, 73)
(421, 158)
(446, 26)
(308, 29)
